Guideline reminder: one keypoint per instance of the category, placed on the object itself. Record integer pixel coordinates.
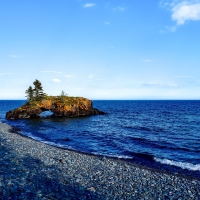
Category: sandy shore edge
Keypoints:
(34, 170)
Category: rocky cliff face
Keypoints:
(61, 107)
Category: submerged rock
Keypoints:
(65, 107)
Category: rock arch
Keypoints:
(71, 107)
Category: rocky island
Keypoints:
(60, 106)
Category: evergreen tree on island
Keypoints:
(30, 94)
(36, 93)
(63, 96)
(38, 90)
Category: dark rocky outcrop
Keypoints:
(67, 107)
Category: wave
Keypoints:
(112, 155)
(55, 144)
(162, 144)
(182, 165)
(144, 128)
(139, 156)
(68, 147)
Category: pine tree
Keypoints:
(38, 90)
(63, 96)
(30, 94)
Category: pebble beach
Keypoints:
(33, 170)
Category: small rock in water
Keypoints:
(15, 130)
(92, 189)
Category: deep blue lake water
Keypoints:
(160, 134)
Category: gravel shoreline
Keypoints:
(33, 170)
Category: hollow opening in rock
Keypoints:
(46, 113)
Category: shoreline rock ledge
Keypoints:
(60, 107)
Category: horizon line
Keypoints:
(118, 99)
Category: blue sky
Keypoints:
(101, 49)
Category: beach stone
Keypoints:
(92, 189)
(33, 170)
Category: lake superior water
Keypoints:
(159, 134)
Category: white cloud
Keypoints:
(4, 74)
(168, 29)
(164, 3)
(69, 76)
(107, 23)
(55, 80)
(147, 61)
(172, 28)
(91, 76)
(183, 77)
(152, 84)
(172, 85)
(185, 11)
(52, 72)
(88, 5)
(119, 8)
(182, 11)
(16, 56)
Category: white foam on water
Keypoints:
(183, 165)
(111, 155)
(30, 135)
(57, 145)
